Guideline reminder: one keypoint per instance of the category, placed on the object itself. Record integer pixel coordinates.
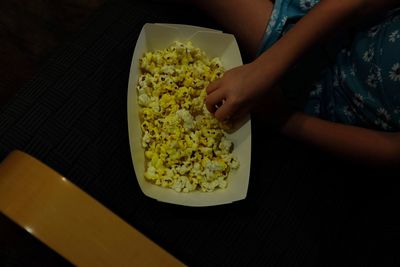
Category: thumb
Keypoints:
(225, 111)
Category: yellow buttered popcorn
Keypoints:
(185, 146)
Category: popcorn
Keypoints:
(185, 146)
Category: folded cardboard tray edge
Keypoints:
(69, 221)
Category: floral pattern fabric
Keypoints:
(362, 86)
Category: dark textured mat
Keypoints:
(301, 209)
(18, 248)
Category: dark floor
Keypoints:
(30, 31)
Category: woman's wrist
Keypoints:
(271, 65)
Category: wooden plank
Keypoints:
(70, 221)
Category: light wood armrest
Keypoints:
(70, 221)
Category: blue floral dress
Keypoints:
(362, 85)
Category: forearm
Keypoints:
(352, 143)
(323, 21)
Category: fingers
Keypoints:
(224, 112)
(215, 100)
(213, 86)
(237, 120)
(219, 106)
(240, 115)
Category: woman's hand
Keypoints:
(235, 94)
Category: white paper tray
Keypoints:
(215, 44)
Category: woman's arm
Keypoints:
(320, 23)
(354, 143)
(243, 86)
(375, 148)
(236, 92)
